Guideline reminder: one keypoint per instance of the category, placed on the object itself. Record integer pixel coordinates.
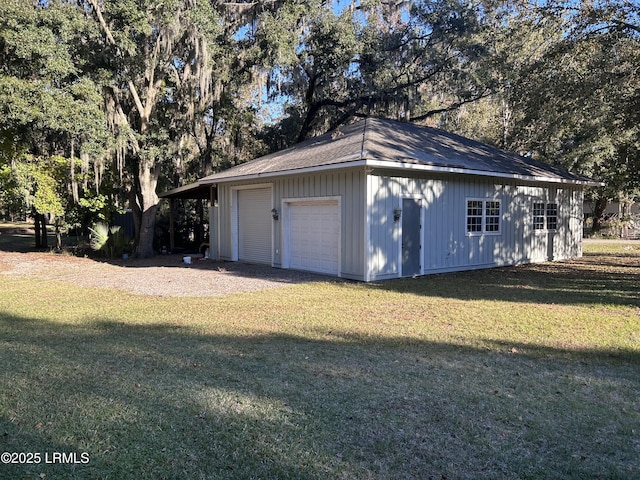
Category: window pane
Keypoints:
(538, 216)
(538, 209)
(492, 216)
(492, 224)
(474, 216)
(492, 209)
(474, 224)
(483, 216)
(538, 223)
(474, 207)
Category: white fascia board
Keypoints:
(402, 166)
(295, 171)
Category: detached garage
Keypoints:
(381, 199)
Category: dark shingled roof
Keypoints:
(390, 144)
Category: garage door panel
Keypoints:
(314, 235)
(254, 225)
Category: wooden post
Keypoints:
(172, 240)
(213, 240)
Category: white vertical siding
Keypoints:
(534, 243)
(446, 245)
(370, 238)
(384, 231)
(349, 185)
(224, 222)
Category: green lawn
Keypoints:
(525, 372)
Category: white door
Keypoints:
(254, 225)
(314, 237)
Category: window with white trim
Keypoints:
(545, 216)
(483, 216)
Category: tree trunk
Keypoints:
(598, 210)
(148, 180)
(37, 227)
(199, 230)
(58, 237)
(44, 240)
(147, 230)
(136, 212)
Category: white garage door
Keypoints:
(314, 236)
(254, 225)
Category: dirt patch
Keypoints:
(163, 275)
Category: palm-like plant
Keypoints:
(110, 240)
(99, 236)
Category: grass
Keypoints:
(526, 372)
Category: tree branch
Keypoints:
(111, 41)
(626, 26)
(103, 24)
(451, 107)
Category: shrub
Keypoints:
(110, 240)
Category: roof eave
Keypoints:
(374, 163)
(192, 190)
(402, 166)
(279, 173)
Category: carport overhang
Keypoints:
(195, 190)
(192, 191)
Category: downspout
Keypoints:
(213, 224)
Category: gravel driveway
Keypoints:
(163, 275)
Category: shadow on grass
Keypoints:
(160, 401)
(593, 279)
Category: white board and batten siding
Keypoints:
(342, 223)
(343, 193)
(445, 243)
(335, 204)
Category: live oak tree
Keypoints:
(567, 90)
(154, 51)
(177, 74)
(371, 58)
(515, 37)
(52, 130)
(579, 101)
(145, 95)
